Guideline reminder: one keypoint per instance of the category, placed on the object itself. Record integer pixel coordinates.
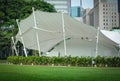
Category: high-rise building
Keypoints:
(86, 16)
(106, 14)
(119, 11)
(61, 5)
(75, 11)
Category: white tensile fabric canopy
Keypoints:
(56, 33)
(114, 36)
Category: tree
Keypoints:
(10, 10)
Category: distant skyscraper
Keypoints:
(119, 11)
(61, 5)
(75, 11)
(86, 16)
(119, 6)
(106, 14)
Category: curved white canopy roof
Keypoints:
(49, 27)
(114, 36)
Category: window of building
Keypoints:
(112, 24)
(106, 27)
(106, 5)
(103, 12)
(109, 5)
(103, 5)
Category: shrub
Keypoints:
(67, 60)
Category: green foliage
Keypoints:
(67, 60)
(10, 10)
(19, 9)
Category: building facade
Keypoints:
(119, 11)
(61, 5)
(86, 18)
(106, 14)
(76, 11)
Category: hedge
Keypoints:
(67, 60)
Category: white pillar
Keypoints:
(97, 41)
(37, 37)
(63, 25)
(14, 46)
(22, 39)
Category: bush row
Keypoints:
(67, 60)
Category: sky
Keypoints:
(85, 3)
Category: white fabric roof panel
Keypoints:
(50, 31)
(114, 36)
(82, 47)
(51, 22)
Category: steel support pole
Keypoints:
(37, 37)
(97, 41)
(14, 45)
(22, 39)
(64, 34)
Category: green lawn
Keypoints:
(48, 73)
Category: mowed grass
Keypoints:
(49, 73)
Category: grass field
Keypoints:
(48, 73)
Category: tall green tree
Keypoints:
(10, 10)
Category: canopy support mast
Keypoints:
(97, 41)
(37, 37)
(63, 25)
(22, 39)
(14, 46)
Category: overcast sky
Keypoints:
(85, 3)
